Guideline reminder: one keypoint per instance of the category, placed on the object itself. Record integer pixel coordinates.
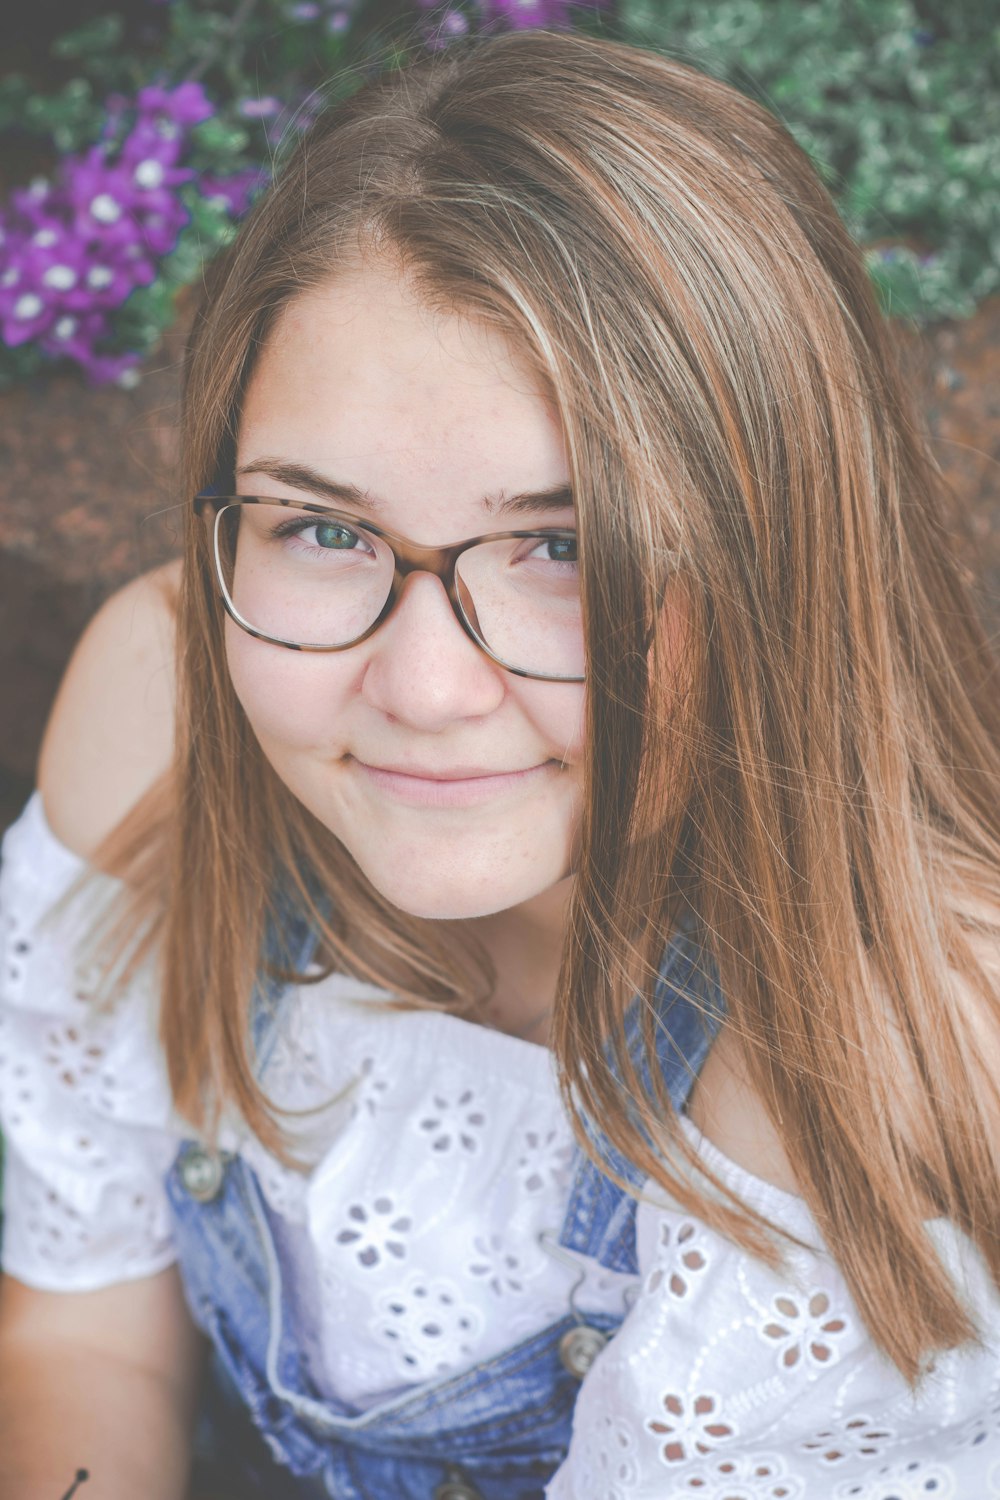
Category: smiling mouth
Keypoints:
(459, 786)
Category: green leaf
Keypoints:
(209, 222)
(219, 138)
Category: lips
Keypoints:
(453, 773)
(452, 786)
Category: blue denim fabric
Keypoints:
(503, 1427)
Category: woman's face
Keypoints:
(454, 784)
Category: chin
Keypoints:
(454, 896)
(446, 903)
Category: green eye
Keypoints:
(333, 536)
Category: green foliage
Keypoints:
(898, 103)
(70, 118)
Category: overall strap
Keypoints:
(289, 943)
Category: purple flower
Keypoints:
(24, 311)
(186, 105)
(51, 275)
(128, 205)
(27, 307)
(73, 336)
(121, 368)
(75, 249)
(338, 13)
(153, 139)
(109, 279)
(520, 15)
(260, 109)
(35, 203)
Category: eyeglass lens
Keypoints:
(313, 580)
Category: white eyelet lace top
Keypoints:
(424, 1223)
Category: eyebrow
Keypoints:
(301, 477)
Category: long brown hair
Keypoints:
(818, 779)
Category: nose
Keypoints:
(423, 669)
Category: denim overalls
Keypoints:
(500, 1430)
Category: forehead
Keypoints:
(361, 379)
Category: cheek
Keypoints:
(558, 712)
(290, 698)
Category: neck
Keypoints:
(525, 945)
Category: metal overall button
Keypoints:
(579, 1348)
(456, 1487)
(201, 1173)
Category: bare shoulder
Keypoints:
(731, 1114)
(110, 733)
(728, 1110)
(979, 1010)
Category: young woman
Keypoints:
(537, 1013)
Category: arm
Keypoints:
(103, 1380)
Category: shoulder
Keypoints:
(110, 733)
(727, 1110)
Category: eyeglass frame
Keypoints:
(408, 557)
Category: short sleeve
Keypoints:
(85, 1108)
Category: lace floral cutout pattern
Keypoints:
(16, 1092)
(751, 1476)
(689, 1425)
(454, 1124)
(854, 1437)
(680, 1259)
(376, 1231)
(16, 948)
(59, 1231)
(544, 1159)
(56, 1229)
(428, 1326)
(498, 1265)
(371, 1088)
(609, 1458)
(78, 1058)
(915, 1479)
(978, 1430)
(804, 1329)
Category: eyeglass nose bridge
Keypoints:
(411, 559)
